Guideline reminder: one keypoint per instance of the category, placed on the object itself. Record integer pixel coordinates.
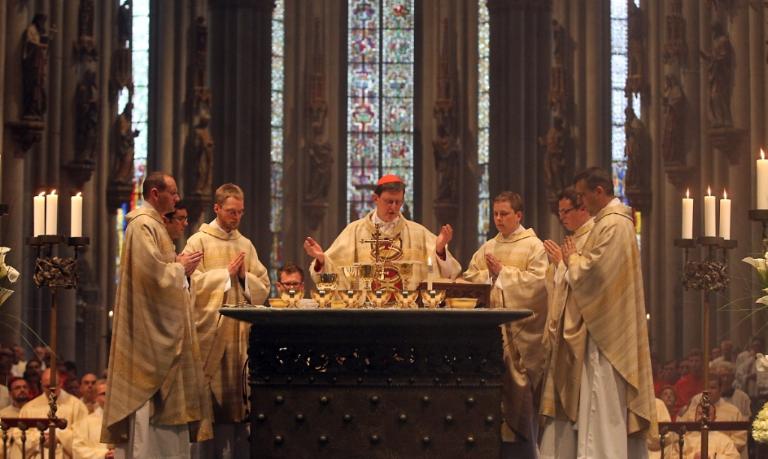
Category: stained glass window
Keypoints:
(140, 117)
(276, 181)
(483, 120)
(380, 56)
(619, 101)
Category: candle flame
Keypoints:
(709, 191)
(79, 193)
(687, 193)
(42, 193)
(725, 194)
(762, 154)
(52, 193)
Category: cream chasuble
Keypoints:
(564, 341)
(520, 285)
(224, 341)
(417, 243)
(606, 284)
(154, 355)
(68, 407)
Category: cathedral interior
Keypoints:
(306, 104)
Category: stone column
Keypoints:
(520, 33)
(240, 84)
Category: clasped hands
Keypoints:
(557, 253)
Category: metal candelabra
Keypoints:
(708, 275)
(55, 272)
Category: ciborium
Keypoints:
(379, 298)
(323, 297)
(432, 298)
(406, 299)
(352, 298)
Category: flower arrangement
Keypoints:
(6, 272)
(760, 424)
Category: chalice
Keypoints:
(366, 273)
(352, 273)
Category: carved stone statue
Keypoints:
(447, 164)
(85, 47)
(673, 121)
(124, 25)
(556, 164)
(320, 163)
(635, 50)
(124, 135)
(200, 52)
(676, 46)
(86, 116)
(557, 94)
(34, 60)
(202, 148)
(720, 77)
(634, 150)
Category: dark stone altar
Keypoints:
(373, 383)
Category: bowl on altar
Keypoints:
(278, 303)
(461, 303)
(338, 304)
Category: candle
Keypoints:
(51, 216)
(429, 274)
(76, 224)
(687, 216)
(710, 226)
(39, 213)
(725, 216)
(762, 181)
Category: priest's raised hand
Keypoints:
(313, 249)
(445, 236)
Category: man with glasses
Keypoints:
(177, 221)
(616, 404)
(230, 273)
(290, 277)
(559, 400)
(515, 264)
(155, 399)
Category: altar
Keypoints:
(375, 383)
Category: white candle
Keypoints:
(762, 181)
(51, 216)
(39, 214)
(76, 224)
(429, 273)
(710, 225)
(687, 216)
(725, 216)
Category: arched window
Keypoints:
(380, 104)
(276, 180)
(483, 120)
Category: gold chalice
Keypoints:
(432, 298)
(405, 269)
(323, 297)
(352, 273)
(327, 282)
(292, 297)
(367, 271)
(351, 298)
(406, 299)
(379, 298)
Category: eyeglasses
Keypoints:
(564, 212)
(181, 218)
(290, 284)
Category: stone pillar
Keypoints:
(240, 53)
(520, 34)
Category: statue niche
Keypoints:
(557, 160)
(123, 135)
(202, 146)
(86, 117)
(34, 61)
(673, 121)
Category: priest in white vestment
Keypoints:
(69, 407)
(156, 401)
(560, 396)
(616, 409)
(412, 241)
(515, 263)
(229, 273)
(86, 442)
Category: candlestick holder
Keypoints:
(55, 272)
(707, 275)
(761, 215)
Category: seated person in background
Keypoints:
(746, 375)
(719, 411)
(691, 383)
(86, 442)
(667, 376)
(291, 277)
(69, 408)
(669, 397)
(720, 446)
